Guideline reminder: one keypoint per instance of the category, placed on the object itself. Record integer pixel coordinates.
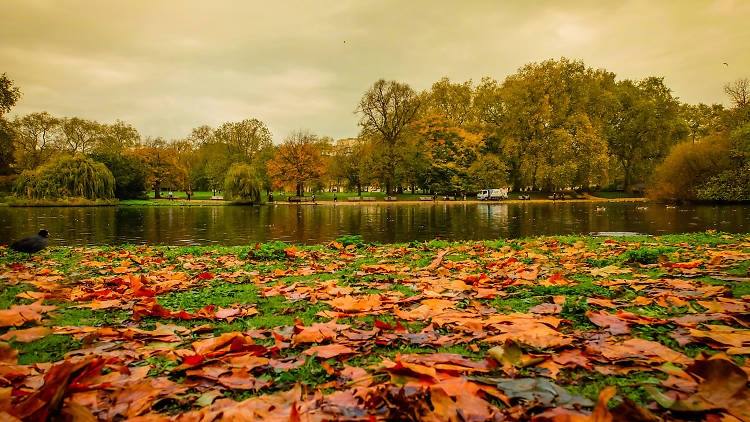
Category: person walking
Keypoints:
(171, 195)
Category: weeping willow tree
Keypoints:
(67, 177)
(242, 183)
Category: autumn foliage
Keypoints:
(296, 162)
(550, 329)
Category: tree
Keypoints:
(241, 183)
(7, 147)
(130, 174)
(739, 92)
(80, 135)
(248, 141)
(643, 128)
(453, 101)
(244, 139)
(702, 119)
(450, 151)
(487, 172)
(386, 110)
(297, 161)
(116, 138)
(201, 135)
(9, 94)
(65, 177)
(548, 118)
(349, 163)
(160, 161)
(212, 167)
(35, 143)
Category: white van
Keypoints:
(492, 194)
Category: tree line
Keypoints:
(553, 125)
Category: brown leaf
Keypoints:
(615, 325)
(637, 349)
(27, 335)
(17, 315)
(355, 304)
(546, 308)
(724, 385)
(8, 354)
(438, 259)
(329, 350)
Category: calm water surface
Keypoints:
(310, 224)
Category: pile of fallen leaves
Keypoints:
(549, 329)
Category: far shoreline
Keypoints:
(208, 202)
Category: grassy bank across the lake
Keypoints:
(355, 198)
(473, 328)
(202, 198)
(68, 202)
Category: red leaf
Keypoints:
(193, 360)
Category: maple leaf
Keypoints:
(329, 351)
(27, 335)
(615, 325)
(355, 304)
(723, 385)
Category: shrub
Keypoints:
(688, 166)
(67, 177)
(355, 240)
(241, 184)
(729, 185)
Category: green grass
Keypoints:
(175, 203)
(48, 349)
(182, 195)
(67, 202)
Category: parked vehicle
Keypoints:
(492, 194)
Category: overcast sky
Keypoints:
(169, 66)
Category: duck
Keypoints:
(32, 244)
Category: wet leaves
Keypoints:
(552, 329)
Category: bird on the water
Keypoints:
(32, 244)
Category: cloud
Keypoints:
(167, 67)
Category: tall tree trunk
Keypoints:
(628, 179)
(299, 189)
(157, 189)
(516, 176)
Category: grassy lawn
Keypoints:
(183, 195)
(283, 329)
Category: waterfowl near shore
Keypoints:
(32, 244)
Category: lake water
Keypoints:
(310, 224)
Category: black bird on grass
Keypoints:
(31, 244)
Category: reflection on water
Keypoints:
(230, 225)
